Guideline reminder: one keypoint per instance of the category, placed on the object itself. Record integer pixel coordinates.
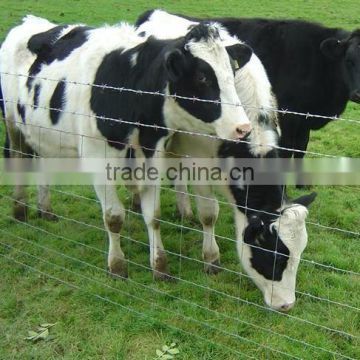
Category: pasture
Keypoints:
(54, 272)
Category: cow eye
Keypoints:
(202, 79)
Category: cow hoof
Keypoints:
(47, 215)
(20, 212)
(118, 269)
(212, 268)
(161, 276)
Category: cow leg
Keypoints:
(19, 149)
(183, 202)
(113, 215)
(44, 203)
(150, 206)
(289, 127)
(208, 210)
(301, 143)
(136, 202)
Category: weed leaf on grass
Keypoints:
(42, 333)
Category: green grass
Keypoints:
(89, 327)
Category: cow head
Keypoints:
(270, 248)
(202, 66)
(347, 51)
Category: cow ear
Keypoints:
(254, 228)
(175, 64)
(240, 53)
(332, 48)
(305, 200)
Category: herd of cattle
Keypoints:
(294, 65)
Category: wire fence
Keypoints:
(32, 254)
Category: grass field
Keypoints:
(99, 318)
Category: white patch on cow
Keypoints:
(176, 117)
(254, 90)
(262, 140)
(232, 113)
(292, 231)
(163, 25)
(133, 59)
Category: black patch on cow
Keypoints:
(116, 71)
(57, 102)
(269, 254)
(2, 103)
(202, 31)
(144, 17)
(41, 43)
(263, 243)
(49, 47)
(197, 79)
(142, 34)
(36, 95)
(21, 111)
(205, 89)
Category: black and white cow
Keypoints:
(194, 65)
(312, 69)
(270, 229)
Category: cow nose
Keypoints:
(243, 130)
(287, 307)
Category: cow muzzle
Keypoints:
(242, 131)
(278, 302)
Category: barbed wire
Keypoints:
(175, 96)
(156, 127)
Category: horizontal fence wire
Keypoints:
(349, 232)
(124, 307)
(247, 208)
(168, 295)
(312, 262)
(238, 337)
(181, 256)
(181, 227)
(156, 127)
(175, 96)
(165, 293)
(192, 283)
